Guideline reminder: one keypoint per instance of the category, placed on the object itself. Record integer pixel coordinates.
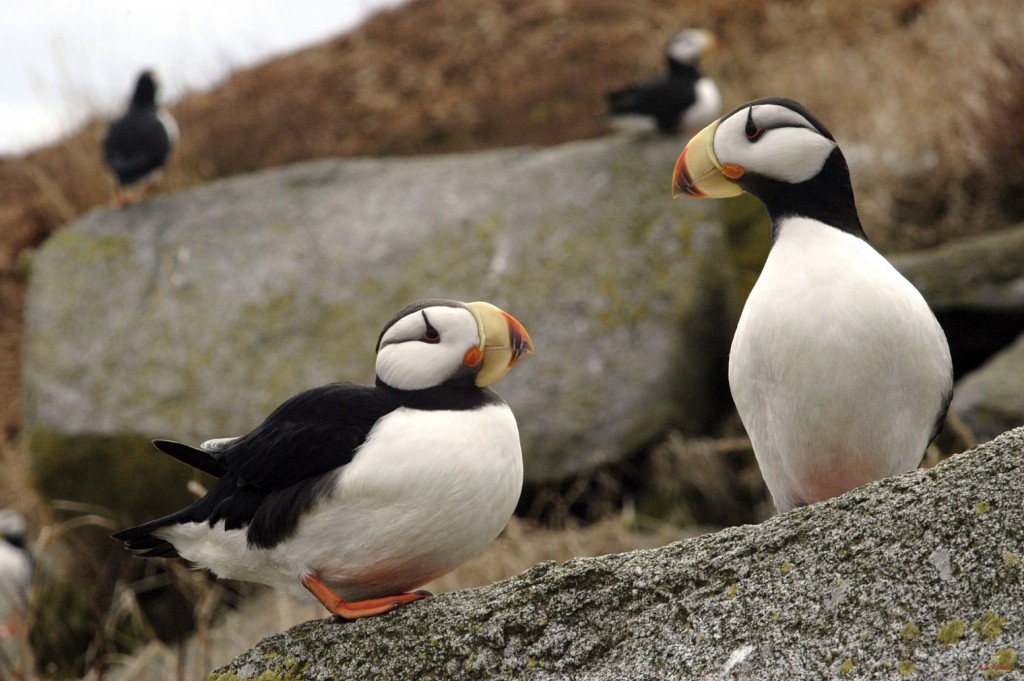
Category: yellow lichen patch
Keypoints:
(909, 632)
(1010, 559)
(1003, 662)
(989, 626)
(731, 592)
(952, 633)
(786, 567)
(906, 667)
(845, 667)
(982, 507)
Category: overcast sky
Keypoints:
(62, 60)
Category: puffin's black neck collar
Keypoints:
(826, 197)
(447, 396)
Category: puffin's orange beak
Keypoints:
(698, 172)
(503, 342)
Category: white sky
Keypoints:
(62, 60)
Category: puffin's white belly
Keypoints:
(15, 583)
(399, 515)
(838, 367)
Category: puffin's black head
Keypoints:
(434, 342)
(779, 152)
(145, 90)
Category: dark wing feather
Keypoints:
(207, 462)
(664, 99)
(271, 476)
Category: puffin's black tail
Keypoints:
(141, 541)
(624, 101)
(201, 459)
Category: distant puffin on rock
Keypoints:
(685, 99)
(358, 494)
(838, 368)
(137, 145)
(15, 576)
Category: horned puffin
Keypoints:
(685, 99)
(15, 574)
(358, 494)
(136, 145)
(838, 368)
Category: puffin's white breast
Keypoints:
(838, 367)
(706, 107)
(15, 582)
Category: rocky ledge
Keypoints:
(918, 576)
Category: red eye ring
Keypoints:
(752, 130)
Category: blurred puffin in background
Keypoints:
(683, 100)
(838, 367)
(358, 494)
(15, 574)
(137, 145)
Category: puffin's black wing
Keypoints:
(201, 459)
(664, 99)
(136, 145)
(271, 476)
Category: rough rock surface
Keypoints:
(918, 576)
(192, 316)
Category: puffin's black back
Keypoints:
(137, 143)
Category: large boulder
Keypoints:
(976, 287)
(193, 315)
(990, 399)
(917, 576)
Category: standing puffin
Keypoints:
(15, 574)
(358, 494)
(685, 98)
(839, 370)
(137, 145)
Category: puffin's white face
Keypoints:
(687, 47)
(769, 139)
(431, 344)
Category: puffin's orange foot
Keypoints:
(351, 610)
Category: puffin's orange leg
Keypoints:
(351, 610)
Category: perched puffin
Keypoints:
(684, 99)
(358, 494)
(15, 573)
(838, 368)
(137, 145)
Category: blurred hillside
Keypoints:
(924, 96)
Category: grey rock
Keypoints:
(976, 288)
(990, 399)
(192, 316)
(983, 272)
(917, 576)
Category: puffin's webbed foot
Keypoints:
(351, 610)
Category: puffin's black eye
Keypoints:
(752, 129)
(430, 334)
